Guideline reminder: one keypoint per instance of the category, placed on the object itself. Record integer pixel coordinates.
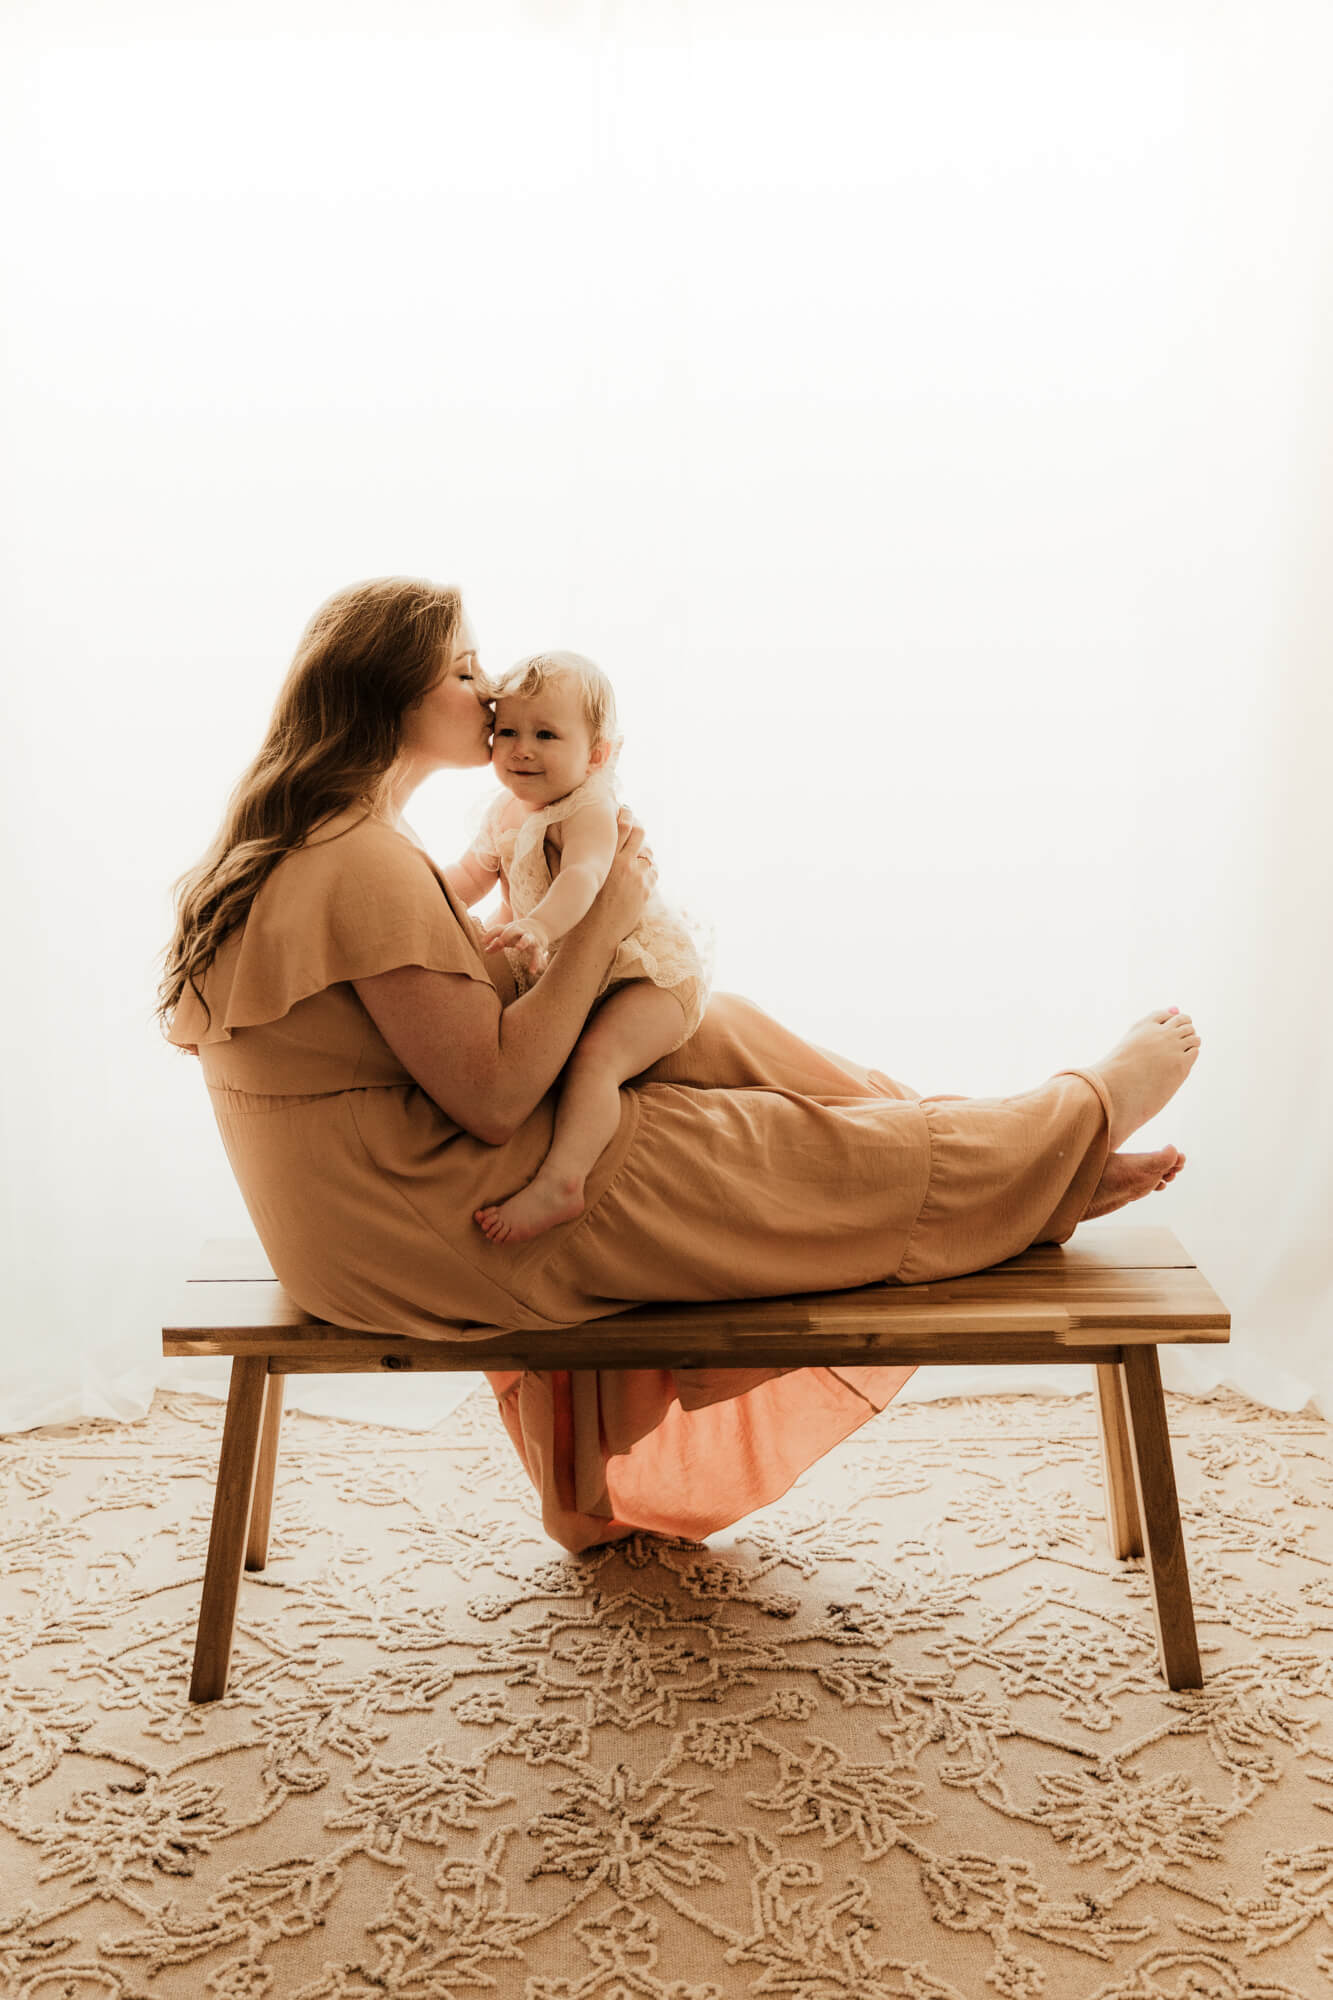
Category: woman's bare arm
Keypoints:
(488, 1067)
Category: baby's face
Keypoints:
(542, 744)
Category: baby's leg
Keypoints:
(629, 1030)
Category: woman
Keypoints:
(375, 1080)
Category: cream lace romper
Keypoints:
(667, 945)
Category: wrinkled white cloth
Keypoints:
(668, 945)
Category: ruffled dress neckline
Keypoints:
(531, 831)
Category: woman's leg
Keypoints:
(737, 1046)
(627, 1031)
(758, 1190)
(976, 1188)
(739, 1184)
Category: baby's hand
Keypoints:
(525, 935)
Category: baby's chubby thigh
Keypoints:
(632, 1027)
(737, 1046)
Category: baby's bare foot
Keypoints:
(545, 1201)
(1128, 1176)
(1146, 1068)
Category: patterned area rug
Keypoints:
(901, 1734)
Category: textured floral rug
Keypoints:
(901, 1734)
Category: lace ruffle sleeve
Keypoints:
(485, 841)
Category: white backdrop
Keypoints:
(921, 412)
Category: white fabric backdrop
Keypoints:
(922, 413)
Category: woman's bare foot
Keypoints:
(1146, 1068)
(546, 1200)
(1128, 1176)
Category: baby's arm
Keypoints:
(590, 839)
(589, 847)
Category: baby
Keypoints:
(550, 837)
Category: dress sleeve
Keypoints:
(336, 909)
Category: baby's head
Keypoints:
(555, 722)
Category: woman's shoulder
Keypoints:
(356, 829)
(354, 844)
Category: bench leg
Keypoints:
(261, 1507)
(231, 1518)
(1159, 1513)
(1122, 1507)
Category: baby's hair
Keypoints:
(529, 676)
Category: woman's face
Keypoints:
(451, 724)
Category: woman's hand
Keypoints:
(630, 880)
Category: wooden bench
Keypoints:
(1107, 1297)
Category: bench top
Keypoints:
(1079, 1301)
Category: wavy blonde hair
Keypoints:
(527, 677)
(366, 657)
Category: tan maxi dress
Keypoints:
(746, 1163)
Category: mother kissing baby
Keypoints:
(383, 1076)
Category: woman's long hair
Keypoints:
(366, 657)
